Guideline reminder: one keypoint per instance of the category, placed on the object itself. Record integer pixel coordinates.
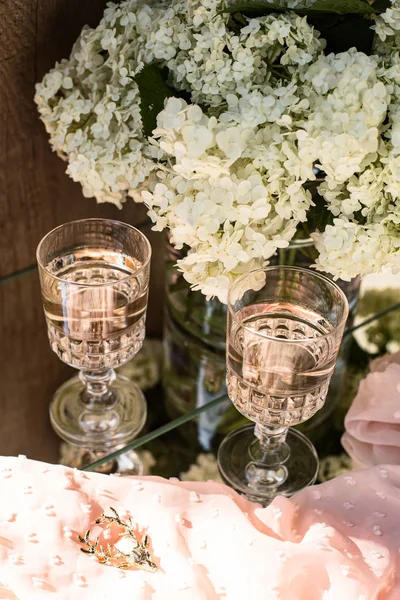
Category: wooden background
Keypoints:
(35, 196)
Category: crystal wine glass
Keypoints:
(285, 325)
(94, 277)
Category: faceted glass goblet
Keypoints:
(284, 330)
(94, 277)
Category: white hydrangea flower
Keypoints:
(226, 172)
(349, 104)
(231, 192)
(347, 249)
(90, 104)
(388, 23)
(211, 61)
(365, 237)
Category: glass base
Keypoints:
(128, 463)
(241, 466)
(102, 429)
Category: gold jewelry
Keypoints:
(127, 552)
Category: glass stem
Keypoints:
(269, 453)
(98, 395)
(272, 442)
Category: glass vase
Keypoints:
(194, 352)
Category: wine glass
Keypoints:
(284, 329)
(94, 277)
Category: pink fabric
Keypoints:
(372, 424)
(336, 541)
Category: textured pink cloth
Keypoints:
(336, 541)
(372, 424)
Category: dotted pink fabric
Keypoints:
(336, 541)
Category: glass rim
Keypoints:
(92, 285)
(330, 282)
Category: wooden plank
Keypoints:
(31, 372)
(17, 74)
(35, 193)
(35, 196)
(59, 22)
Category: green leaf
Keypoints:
(344, 32)
(341, 7)
(381, 5)
(153, 91)
(262, 8)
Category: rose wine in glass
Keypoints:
(292, 377)
(285, 326)
(101, 321)
(94, 277)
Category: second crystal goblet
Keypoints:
(94, 277)
(284, 330)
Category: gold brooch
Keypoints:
(127, 552)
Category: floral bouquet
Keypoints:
(222, 117)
